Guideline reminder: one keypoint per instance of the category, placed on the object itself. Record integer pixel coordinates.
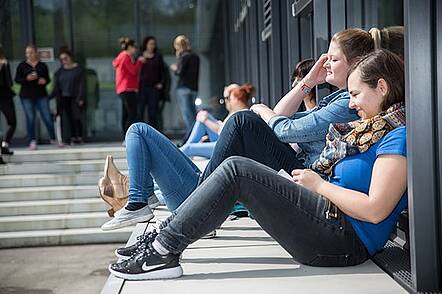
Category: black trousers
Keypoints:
(129, 103)
(73, 114)
(8, 109)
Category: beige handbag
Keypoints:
(113, 186)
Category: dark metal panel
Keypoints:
(254, 43)
(285, 15)
(293, 41)
(275, 51)
(337, 16)
(226, 36)
(355, 15)
(26, 9)
(321, 35)
(421, 133)
(438, 50)
(263, 94)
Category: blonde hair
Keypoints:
(390, 38)
(182, 42)
(228, 89)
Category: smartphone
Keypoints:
(285, 174)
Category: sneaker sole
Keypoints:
(154, 205)
(133, 221)
(168, 273)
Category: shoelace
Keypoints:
(141, 243)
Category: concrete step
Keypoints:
(48, 193)
(39, 180)
(39, 207)
(66, 166)
(78, 153)
(63, 237)
(52, 221)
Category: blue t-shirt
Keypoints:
(354, 172)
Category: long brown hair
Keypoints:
(383, 64)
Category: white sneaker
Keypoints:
(33, 145)
(127, 218)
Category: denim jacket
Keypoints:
(309, 128)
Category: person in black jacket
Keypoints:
(187, 70)
(69, 88)
(7, 102)
(33, 76)
(151, 82)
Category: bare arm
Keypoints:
(383, 195)
(291, 101)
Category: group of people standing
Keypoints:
(69, 89)
(145, 80)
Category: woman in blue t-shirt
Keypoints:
(339, 222)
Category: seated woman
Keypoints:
(339, 222)
(151, 155)
(206, 124)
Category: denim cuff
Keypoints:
(275, 120)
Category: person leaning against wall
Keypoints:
(7, 103)
(187, 70)
(33, 76)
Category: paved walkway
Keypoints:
(243, 259)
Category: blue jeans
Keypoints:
(150, 155)
(293, 215)
(42, 105)
(193, 147)
(186, 101)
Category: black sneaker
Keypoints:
(6, 151)
(140, 245)
(148, 265)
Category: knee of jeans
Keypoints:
(233, 164)
(137, 129)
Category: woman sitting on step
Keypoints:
(341, 221)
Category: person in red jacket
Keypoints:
(126, 79)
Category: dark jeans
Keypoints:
(129, 102)
(293, 215)
(8, 109)
(151, 97)
(73, 113)
(30, 105)
(245, 134)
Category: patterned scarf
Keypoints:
(344, 139)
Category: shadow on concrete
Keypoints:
(232, 246)
(295, 271)
(21, 290)
(247, 260)
(244, 238)
(241, 229)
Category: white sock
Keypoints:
(159, 248)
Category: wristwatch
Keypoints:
(306, 89)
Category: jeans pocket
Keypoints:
(330, 260)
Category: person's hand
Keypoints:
(81, 103)
(174, 67)
(41, 81)
(202, 116)
(159, 86)
(259, 108)
(142, 59)
(32, 76)
(317, 74)
(307, 178)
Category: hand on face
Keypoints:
(317, 74)
(307, 178)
